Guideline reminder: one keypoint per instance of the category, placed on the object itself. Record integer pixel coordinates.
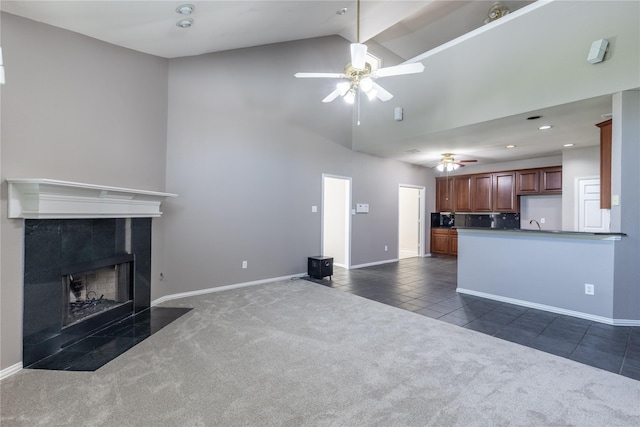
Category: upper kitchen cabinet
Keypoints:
(539, 181)
(551, 180)
(528, 182)
(482, 192)
(462, 194)
(504, 192)
(605, 164)
(444, 194)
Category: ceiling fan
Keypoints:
(449, 164)
(359, 75)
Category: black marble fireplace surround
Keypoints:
(52, 248)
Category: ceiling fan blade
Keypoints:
(358, 55)
(325, 75)
(333, 95)
(381, 92)
(467, 161)
(398, 70)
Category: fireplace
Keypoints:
(81, 275)
(87, 261)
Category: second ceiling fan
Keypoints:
(448, 163)
(359, 75)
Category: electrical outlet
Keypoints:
(244, 264)
(386, 248)
(589, 289)
(542, 220)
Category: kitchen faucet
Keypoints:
(537, 223)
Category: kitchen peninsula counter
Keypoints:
(547, 233)
(543, 269)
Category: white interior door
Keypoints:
(410, 224)
(590, 217)
(336, 219)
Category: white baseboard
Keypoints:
(222, 288)
(552, 309)
(387, 261)
(13, 369)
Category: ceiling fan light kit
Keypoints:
(359, 75)
(448, 163)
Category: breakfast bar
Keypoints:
(564, 272)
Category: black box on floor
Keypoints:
(320, 266)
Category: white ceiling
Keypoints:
(405, 28)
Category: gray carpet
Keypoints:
(298, 354)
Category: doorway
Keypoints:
(590, 217)
(410, 223)
(336, 219)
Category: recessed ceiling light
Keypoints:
(341, 11)
(185, 9)
(510, 146)
(545, 127)
(185, 23)
(568, 145)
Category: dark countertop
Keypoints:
(575, 233)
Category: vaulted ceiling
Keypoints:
(398, 31)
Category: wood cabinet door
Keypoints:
(528, 182)
(462, 194)
(481, 190)
(551, 180)
(453, 242)
(605, 164)
(440, 241)
(444, 195)
(504, 192)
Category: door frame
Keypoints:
(421, 228)
(348, 224)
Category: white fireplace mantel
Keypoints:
(53, 199)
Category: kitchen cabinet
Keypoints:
(482, 192)
(495, 192)
(504, 192)
(551, 180)
(440, 240)
(462, 194)
(444, 194)
(539, 181)
(605, 164)
(453, 242)
(528, 182)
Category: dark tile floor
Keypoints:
(427, 286)
(105, 345)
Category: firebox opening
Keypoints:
(94, 288)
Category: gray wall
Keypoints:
(247, 151)
(74, 109)
(625, 182)
(548, 207)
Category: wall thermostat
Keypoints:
(362, 208)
